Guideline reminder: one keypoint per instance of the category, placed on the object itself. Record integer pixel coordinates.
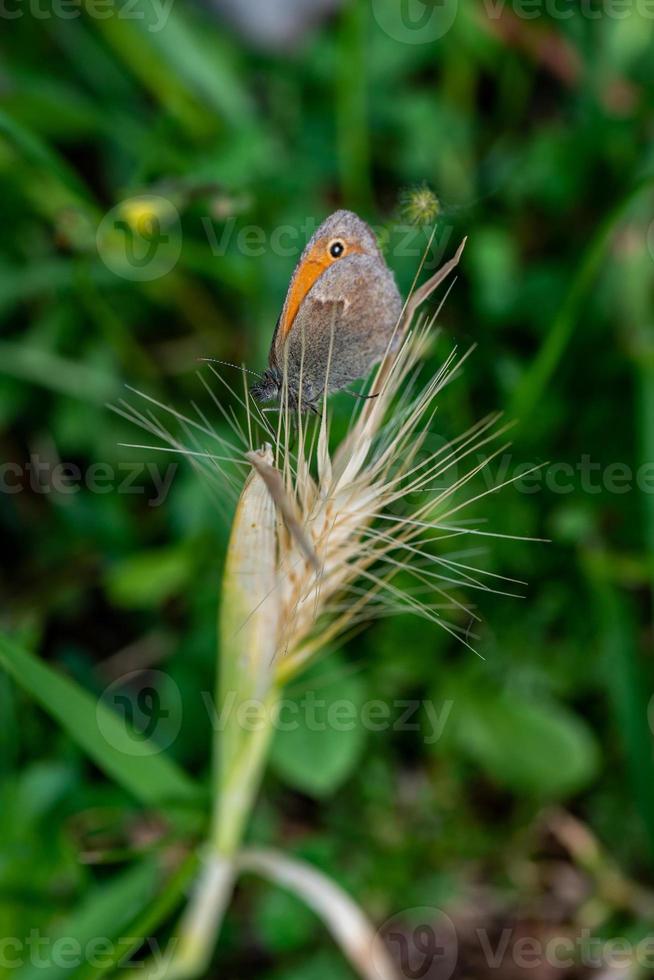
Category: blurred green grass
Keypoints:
(548, 170)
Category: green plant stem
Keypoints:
(198, 927)
(237, 783)
(238, 780)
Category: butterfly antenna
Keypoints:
(356, 394)
(239, 367)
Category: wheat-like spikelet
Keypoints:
(346, 504)
(325, 536)
(343, 533)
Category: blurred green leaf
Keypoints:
(536, 378)
(49, 370)
(41, 785)
(144, 580)
(629, 688)
(38, 152)
(156, 912)
(283, 921)
(205, 61)
(90, 932)
(492, 255)
(153, 779)
(325, 739)
(532, 747)
(323, 966)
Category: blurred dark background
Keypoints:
(239, 127)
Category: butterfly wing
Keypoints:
(354, 308)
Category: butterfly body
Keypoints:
(339, 317)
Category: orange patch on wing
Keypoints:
(311, 269)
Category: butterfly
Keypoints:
(339, 317)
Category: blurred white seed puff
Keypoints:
(328, 536)
(274, 24)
